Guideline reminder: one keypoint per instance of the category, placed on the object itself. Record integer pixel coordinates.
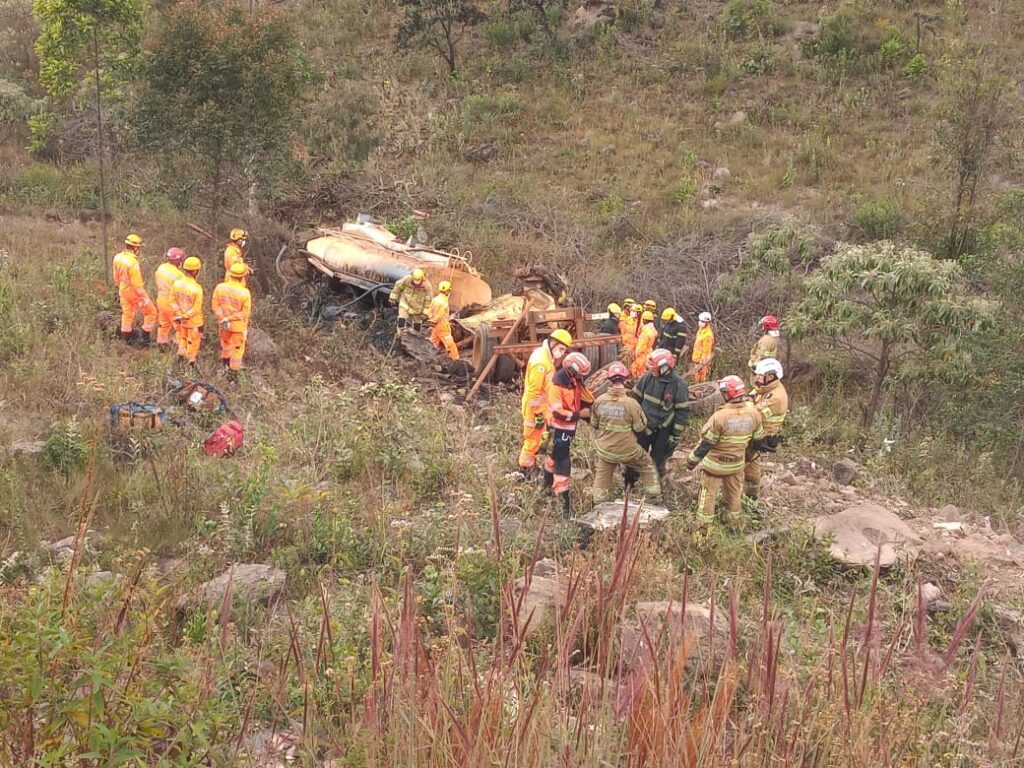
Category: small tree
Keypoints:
(438, 25)
(898, 311)
(224, 89)
(82, 40)
(546, 13)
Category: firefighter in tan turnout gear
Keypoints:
(772, 400)
(731, 431)
(617, 419)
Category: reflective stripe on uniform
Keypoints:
(719, 468)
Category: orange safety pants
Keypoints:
(189, 340)
(703, 373)
(639, 366)
(131, 304)
(232, 348)
(532, 439)
(164, 320)
(441, 337)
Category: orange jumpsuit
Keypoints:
(539, 370)
(627, 329)
(232, 306)
(166, 276)
(703, 349)
(644, 346)
(233, 255)
(131, 290)
(440, 327)
(187, 303)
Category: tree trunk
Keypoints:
(107, 266)
(881, 373)
(217, 170)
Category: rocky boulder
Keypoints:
(846, 471)
(542, 598)
(857, 533)
(260, 348)
(593, 13)
(608, 515)
(659, 627)
(250, 582)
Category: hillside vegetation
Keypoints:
(386, 596)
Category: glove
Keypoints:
(225, 323)
(574, 416)
(691, 463)
(538, 421)
(673, 441)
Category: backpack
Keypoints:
(197, 396)
(125, 417)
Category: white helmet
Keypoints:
(768, 365)
(704, 317)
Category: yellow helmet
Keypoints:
(668, 314)
(445, 286)
(133, 240)
(647, 316)
(651, 304)
(192, 264)
(418, 275)
(614, 309)
(238, 234)
(627, 303)
(562, 336)
(238, 269)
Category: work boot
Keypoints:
(566, 505)
(232, 376)
(126, 337)
(547, 480)
(629, 480)
(142, 338)
(164, 346)
(522, 474)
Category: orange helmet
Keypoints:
(770, 323)
(175, 255)
(732, 387)
(660, 357)
(617, 372)
(577, 363)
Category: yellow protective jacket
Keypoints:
(128, 276)
(772, 401)
(703, 345)
(726, 436)
(645, 342)
(617, 419)
(539, 370)
(437, 315)
(413, 299)
(165, 277)
(766, 346)
(187, 302)
(233, 255)
(232, 302)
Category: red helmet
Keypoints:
(175, 255)
(660, 357)
(770, 323)
(617, 370)
(732, 387)
(577, 363)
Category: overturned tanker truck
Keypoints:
(494, 334)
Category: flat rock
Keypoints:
(250, 582)
(665, 624)
(857, 533)
(806, 31)
(542, 598)
(27, 447)
(260, 347)
(846, 471)
(721, 173)
(787, 478)
(608, 515)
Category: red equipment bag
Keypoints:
(226, 440)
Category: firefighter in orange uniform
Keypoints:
(645, 342)
(234, 252)
(543, 363)
(568, 402)
(232, 306)
(131, 290)
(440, 326)
(627, 329)
(166, 275)
(187, 304)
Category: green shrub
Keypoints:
(759, 61)
(404, 228)
(892, 51)
(611, 205)
(685, 191)
(916, 67)
(65, 451)
(746, 18)
(880, 218)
